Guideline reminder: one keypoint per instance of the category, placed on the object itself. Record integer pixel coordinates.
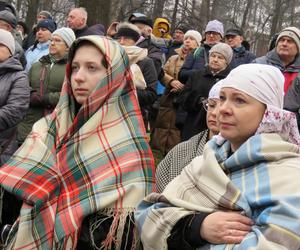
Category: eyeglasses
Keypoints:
(209, 105)
(213, 33)
(56, 40)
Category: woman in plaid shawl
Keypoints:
(243, 192)
(88, 160)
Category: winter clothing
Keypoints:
(45, 78)
(128, 30)
(241, 56)
(161, 23)
(197, 88)
(7, 40)
(9, 18)
(48, 24)
(166, 135)
(215, 26)
(291, 32)
(233, 32)
(179, 157)
(223, 49)
(66, 34)
(194, 34)
(14, 102)
(91, 161)
(195, 61)
(224, 181)
(290, 72)
(142, 19)
(292, 99)
(34, 53)
(45, 13)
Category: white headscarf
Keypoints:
(265, 83)
(214, 92)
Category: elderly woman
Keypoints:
(45, 79)
(83, 169)
(198, 86)
(242, 193)
(183, 153)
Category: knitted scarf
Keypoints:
(74, 164)
(260, 180)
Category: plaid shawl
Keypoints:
(261, 179)
(76, 164)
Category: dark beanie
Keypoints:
(144, 20)
(49, 24)
(127, 32)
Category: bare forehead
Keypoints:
(76, 13)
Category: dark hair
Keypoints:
(80, 43)
(23, 24)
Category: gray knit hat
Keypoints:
(7, 40)
(223, 49)
(66, 34)
(291, 32)
(8, 17)
(46, 14)
(215, 26)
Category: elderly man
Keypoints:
(285, 56)
(234, 38)
(77, 21)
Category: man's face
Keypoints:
(75, 20)
(286, 47)
(234, 41)
(40, 17)
(178, 35)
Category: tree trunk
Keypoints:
(276, 15)
(174, 14)
(32, 12)
(245, 18)
(158, 8)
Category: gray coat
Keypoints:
(14, 102)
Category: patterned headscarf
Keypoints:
(265, 84)
(76, 162)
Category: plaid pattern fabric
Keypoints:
(73, 165)
(179, 157)
(260, 179)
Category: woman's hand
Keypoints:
(176, 86)
(225, 228)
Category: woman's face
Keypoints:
(58, 48)
(217, 62)
(211, 115)
(239, 116)
(43, 35)
(87, 70)
(190, 43)
(212, 37)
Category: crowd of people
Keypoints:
(131, 137)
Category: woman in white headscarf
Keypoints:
(243, 192)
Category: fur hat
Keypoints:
(49, 24)
(7, 40)
(223, 49)
(215, 26)
(8, 17)
(128, 30)
(66, 34)
(194, 34)
(291, 32)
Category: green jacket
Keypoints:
(45, 79)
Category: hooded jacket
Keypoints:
(14, 102)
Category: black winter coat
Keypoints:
(197, 87)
